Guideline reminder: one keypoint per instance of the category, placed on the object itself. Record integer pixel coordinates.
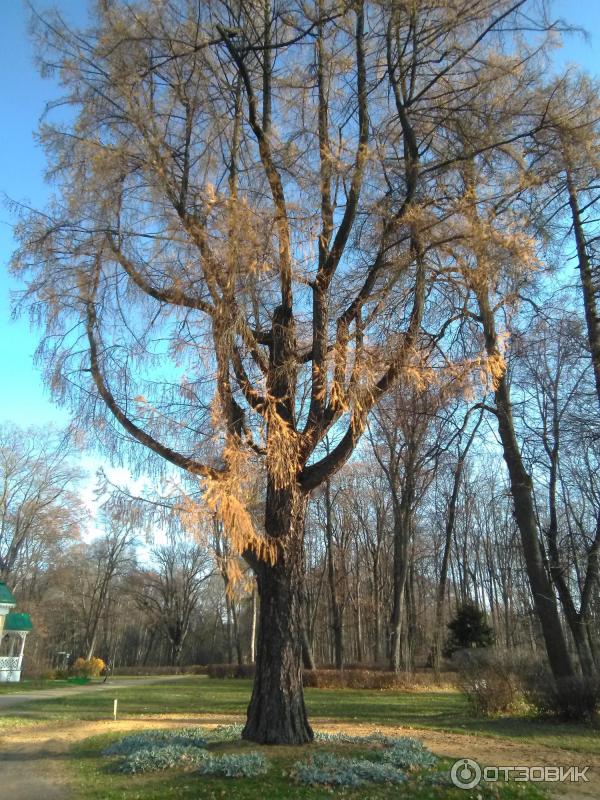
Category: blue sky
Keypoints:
(23, 94)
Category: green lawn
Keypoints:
(194, 695)
(37, 684)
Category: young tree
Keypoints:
(246, 205)
(469, 628)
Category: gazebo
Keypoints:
(14, 628)
(7, 601)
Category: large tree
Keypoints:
(240, 259)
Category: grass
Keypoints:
(96, 779)
(196, 695)
(32, 685)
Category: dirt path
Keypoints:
(33, 760)
(9, 700)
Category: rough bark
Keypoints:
(277, 713)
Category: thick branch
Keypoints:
(171, 295)
(184, 462)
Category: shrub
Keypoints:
(88, 668)
(371, 679)
(351, 677)
(230, 670)
(489, 680)
(234, 765)
(190, 669)
(331, 770)
(576, 699)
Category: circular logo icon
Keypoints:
(465, 773)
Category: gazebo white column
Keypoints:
(16, 628)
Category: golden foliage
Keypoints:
(88, 668)
(283, 444)
(227, 497)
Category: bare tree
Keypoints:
(556, 380)
(38, 501)
(464, 442)
(495, 276)
(170, 592)
(109, 554)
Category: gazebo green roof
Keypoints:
(17, 622)
(6, 596)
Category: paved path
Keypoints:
(16, 699)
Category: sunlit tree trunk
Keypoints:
(277, 713)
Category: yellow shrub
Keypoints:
(88, 668)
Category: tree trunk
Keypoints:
(359, 631)
(588, 288)
(336, 611)
(236, 634)
(151, 639)
(254, 626)
(438, 633)
(401, 542)
(521, 489)
(176, 650)
(376, 611)
(92, 646)
(308, 658)
(229, 628)
(277, 714)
